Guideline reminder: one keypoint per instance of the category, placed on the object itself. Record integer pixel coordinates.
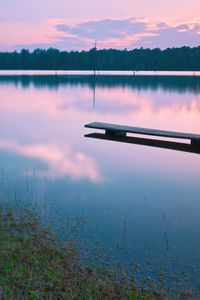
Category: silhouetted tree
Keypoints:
(184, 58)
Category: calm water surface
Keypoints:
(142, 204)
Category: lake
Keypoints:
(139, 204)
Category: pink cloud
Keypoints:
(133, 32)
(115, 33)
(61, 162)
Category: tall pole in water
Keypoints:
(95, 60)
(94, 78)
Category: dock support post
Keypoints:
(195, 143)
(115, 133)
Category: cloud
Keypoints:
(109, 33)
(131, 33)
(170, 36)
(182, 27)
(61, 162)
(104, 29)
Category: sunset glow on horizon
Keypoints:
(74, 25)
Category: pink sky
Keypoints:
(73, 24)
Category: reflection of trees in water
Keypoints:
(180, 84)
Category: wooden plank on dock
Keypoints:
(121, 130)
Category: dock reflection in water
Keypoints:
(147, 142)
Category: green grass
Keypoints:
(35, 265)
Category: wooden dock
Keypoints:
(119, 133)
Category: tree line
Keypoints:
(171, 59)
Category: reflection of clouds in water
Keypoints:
(61, 161)
(176, 117)
(108, 101)
(66, 111)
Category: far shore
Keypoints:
(100, 72)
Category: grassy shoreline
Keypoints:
(36, 265)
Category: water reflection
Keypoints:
(61, 161)
(153, 193)
(147, 142)
(128, 100)
(180, 84)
